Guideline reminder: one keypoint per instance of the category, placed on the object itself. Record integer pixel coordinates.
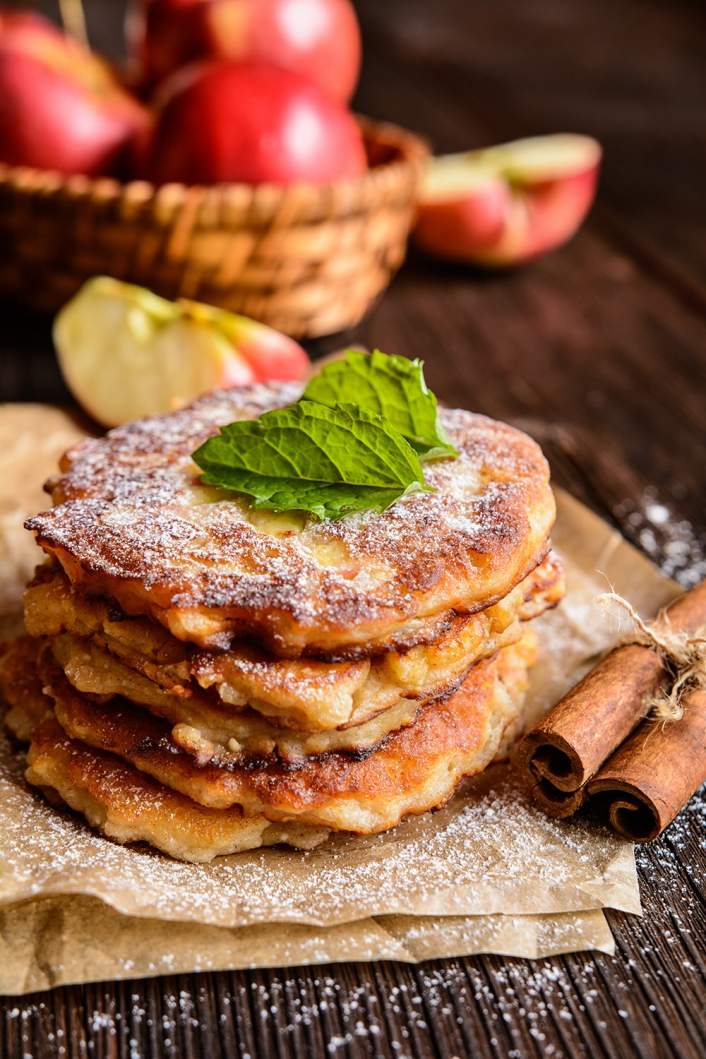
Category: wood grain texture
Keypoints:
(599, 351)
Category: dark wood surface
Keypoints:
(599, 351)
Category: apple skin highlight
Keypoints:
(61, 108)
(319, 39)
(125, 352)
(221, 121)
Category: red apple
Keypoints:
(61, 107)
(504, 205)
(319, 39)
(222, 121)
(125, 352)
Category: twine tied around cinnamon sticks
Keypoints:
(630, 738)
(683, 655)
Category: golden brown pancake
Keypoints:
(410, 771)
(128, 806)
(132, 522)
(204, 721)
(21, 686)
(138, 659)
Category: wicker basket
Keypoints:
(307, 260)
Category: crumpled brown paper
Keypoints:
(489, 851)
(528, 883)
(32, 438)
(59, 940)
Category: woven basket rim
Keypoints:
(379, 181)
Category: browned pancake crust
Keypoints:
(412, 770)
(305, 696)
(203, 721)
(133, 523)
(128, 806)
(21, 688)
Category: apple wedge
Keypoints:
(504, 205)
(124, 352)
(268, 353)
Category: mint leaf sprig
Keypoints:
(308, 457)
(392, 387)
(353, 442)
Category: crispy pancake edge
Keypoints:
(344, 695)
(411, 770)
(128, 806)
(123, 519)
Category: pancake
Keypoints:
(128, 806)
(410, 771)
(133, 522)
(21, 687)
(205, 722)
(138, 659)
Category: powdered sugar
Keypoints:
(487, 848)
(670, 541)
(131, 509)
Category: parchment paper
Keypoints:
(488, 851)
(60, 940)
(489, 854)
(32, 439)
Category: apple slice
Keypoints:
(504, 205)
(269, 353)
(124, 352)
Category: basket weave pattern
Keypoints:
(307, 260)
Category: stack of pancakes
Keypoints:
(209, 678)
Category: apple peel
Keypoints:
(502, 206)
(61, 106)
(319, 39)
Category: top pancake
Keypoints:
(133, 522)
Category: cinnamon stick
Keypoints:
(566, 749)
(570, 744)
(645, 783)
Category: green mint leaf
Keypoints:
(308, 457)
(322, 501)
(391, 387)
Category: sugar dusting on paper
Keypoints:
(487, 853)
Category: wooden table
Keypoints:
(599, 351)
